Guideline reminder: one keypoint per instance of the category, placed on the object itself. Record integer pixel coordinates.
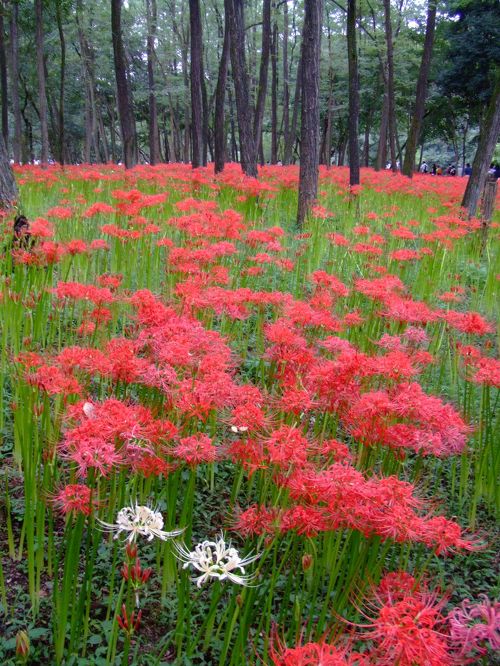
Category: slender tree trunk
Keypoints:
(195, 74)
(220, 96)
(248, 148)
(382, 141)
(42, 96)
(206, 113)
(274, 95)
(352, 57)
(488, 137)
(341, 147)
(264, 67)
(154, 136)
(87, 69)
(423, 75)
(464, 143)
(14, 83)
(286, 75)
(4, 88)
(390, 83)
(123, 93)
(366, 143)
(291, 138)
(8, 190)
(234, 145)
(309, 135)
(62, 79)
(102, 134)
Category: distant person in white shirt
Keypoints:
(424, 168)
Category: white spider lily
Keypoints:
(139, 520)
(216, 559)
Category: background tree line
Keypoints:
(215, 80)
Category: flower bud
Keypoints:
(307, 561)
(22, 646)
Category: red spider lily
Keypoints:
(468, 322)
(196, 449)
(129, 623)
(41, 228)
(77, 291)
(133, 572)
(75, 497)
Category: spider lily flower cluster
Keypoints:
(216, 560)
(181, 342)
(137, 520)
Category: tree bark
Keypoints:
(366, 143)
(264, 67)
(42, 96)
(488, 136)
(248, 149)
(291, 137)
(286, 76)
(14, 83)
(123, 93)
(3, 80)
(309, 135)
(8, 189)
(391, 110)
(154, 136)
(62, 79)
(274, 95)
(421, 94)
(352, 57)
(382, 141)
(220, 96)
(195, 75)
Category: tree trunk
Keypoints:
(391, 110)
(123, 93)
(220, 96)
(352, 57)
(341, 147)
(244, 113)
(366, 143)
(8, 189)
(291, 137)
(274, 96)
(286, 75)
(488, 136)
(14, 83)
(309, 135)
(154, 136)
(42, 96)
(206, 113)
(195, 74)
(423, 75)
(87, 67)
(264, 67)
(234, 145)
(62, 76)
(382, 141)
(3, 81)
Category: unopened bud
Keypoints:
(307, 561)
(22, 646)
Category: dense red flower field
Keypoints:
(305, 418)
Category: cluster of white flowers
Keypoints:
(212, 559)
(216, 559)
(139, 521)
